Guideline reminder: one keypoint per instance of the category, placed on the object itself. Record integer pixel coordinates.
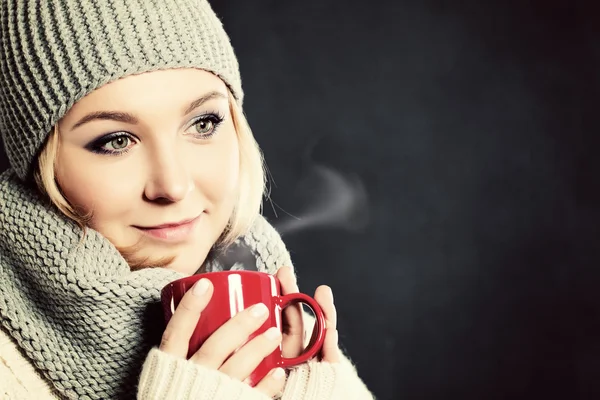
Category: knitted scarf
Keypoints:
(82, 317)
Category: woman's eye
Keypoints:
(113, 144)
(119, 143)
(204, 126)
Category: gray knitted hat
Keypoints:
(54, 52)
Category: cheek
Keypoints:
(218, 175)
(93, 189)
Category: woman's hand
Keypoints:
(226, 349)
(293, 328)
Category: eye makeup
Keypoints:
(119, 141)
(202, 127)
(205, 126)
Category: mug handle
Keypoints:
(166, 299)
(318, 335)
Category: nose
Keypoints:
(170, 180)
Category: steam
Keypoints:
(332, 200)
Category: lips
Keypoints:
(168, 225)
(171, 231)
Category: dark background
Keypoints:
(472, 126)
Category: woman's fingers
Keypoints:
(273, 383)
(177, 334)
(324, 296)
(229, 350)
(293, 314)
(244, 361)
(330, 351)
(293, 325)
(230, 336)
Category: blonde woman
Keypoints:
(132, 165)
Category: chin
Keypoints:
(186, 258)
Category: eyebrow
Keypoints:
(201, 100)
(130, 119)
(106, 115)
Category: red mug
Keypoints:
(235, 291)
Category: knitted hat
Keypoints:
(54, 52)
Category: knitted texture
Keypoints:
(19, 379)
(54, 52)
(260, 249)
(167, 377)
(82, 317)
(325, 381)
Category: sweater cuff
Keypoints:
(325, 381)
(167, 377)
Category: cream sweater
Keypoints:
(166, 377)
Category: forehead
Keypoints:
(165, 88)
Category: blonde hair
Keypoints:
(251, 185)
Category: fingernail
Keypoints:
(278, 373)
(259, 310)
(200, 287)
(272, 333)
(330, 293)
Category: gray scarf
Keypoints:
(75, 309)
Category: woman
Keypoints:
(129, 151)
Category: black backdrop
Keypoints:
(467, 266)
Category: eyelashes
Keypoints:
(202, 127)
(208, 123)
(115, 140)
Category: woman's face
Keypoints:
(154, 157)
